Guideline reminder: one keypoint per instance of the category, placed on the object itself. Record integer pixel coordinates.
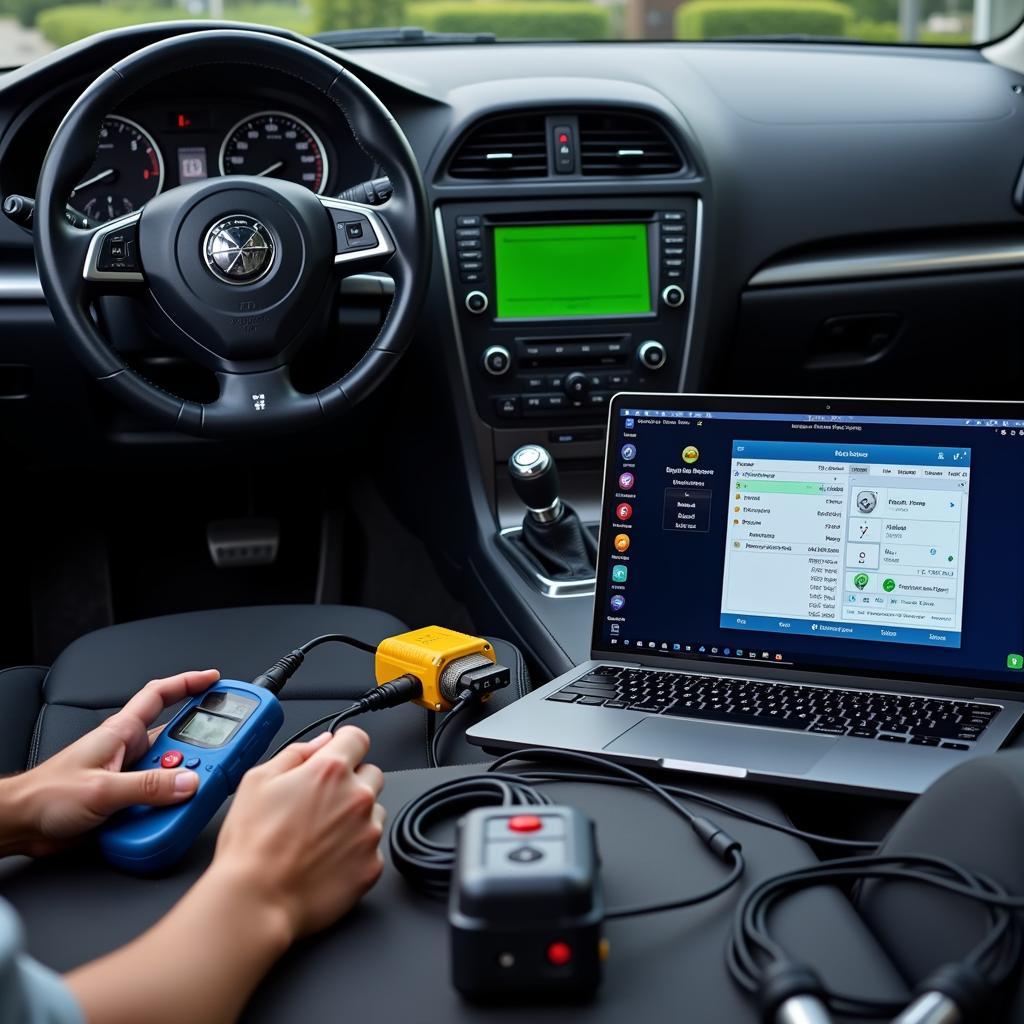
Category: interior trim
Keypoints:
(20, 286)
(895, 263)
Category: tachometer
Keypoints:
(274, 144)
(127, 172)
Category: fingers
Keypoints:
(132, 721)
(348, 746)
(293, 755)
(371, 777)
(156, 788)
(158, 694)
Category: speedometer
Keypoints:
(127, 172)
(274, 144)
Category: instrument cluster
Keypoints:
(141, 152)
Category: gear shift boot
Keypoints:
(554, 539)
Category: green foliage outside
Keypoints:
(328, 14)
(709, 19)
(515, 19)
(512, 19)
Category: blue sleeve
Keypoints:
(29, 992)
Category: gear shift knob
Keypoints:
(535, 480)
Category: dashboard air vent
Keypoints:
(506, 147)
(615, 144)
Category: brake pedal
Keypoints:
(243, 543)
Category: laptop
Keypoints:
(812, 590)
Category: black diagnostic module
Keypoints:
(525, 906)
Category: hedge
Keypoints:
(516, 19)
(874, 31)
(710, 19)
(342, 14)
(68, 22)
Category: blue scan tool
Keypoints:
(219, 735)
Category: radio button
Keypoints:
(536, 383)
(599, 398)
(577, 385)
(477, 302)
(467, 221)
(673, 296)
(507, 406)
(497, 359)
(465, 244)
(673, 215)
(467, 232)
(652, 354)
(470, 278)
(471, 266)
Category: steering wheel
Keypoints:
(238, 271)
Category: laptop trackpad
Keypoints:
(708, 743)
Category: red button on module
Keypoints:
(524, 823)
(172, 759)
(559, 953)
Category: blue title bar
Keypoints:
(803, 417)
(875, 454)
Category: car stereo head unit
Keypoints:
(562, 303)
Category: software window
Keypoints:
(865, 542)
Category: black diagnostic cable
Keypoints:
(281, 671)
(465, 699)
(427, 863)
(759, 964)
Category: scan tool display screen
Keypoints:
(206, 730)
(553, 271)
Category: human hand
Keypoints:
(304, 831)
(83, 784)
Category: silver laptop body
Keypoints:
(591, 708)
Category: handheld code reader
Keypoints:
(525, 905)
(219, 735)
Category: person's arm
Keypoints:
(298, 848)
(81, 786)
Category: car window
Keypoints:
(29, 28)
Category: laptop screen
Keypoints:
(874, 537)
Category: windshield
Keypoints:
(29, 28)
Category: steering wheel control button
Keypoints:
(652, 354)
(172, 759)
(497, 360)
(119, 251)
(525, 822)
(239, 249)
(193, 763)
(673, 296)
(476, 302)
(525, 855)
(354, 230)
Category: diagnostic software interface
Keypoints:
(885, 543)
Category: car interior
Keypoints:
(328, 398)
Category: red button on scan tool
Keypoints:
(524, 823)
(172, 759)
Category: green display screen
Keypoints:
(560, 270)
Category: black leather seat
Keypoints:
(42, 710)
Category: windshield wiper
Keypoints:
(407, 36)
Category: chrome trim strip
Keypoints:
(385, 245)
(939, 259)
(691, 319)
(557, 588)
(91, 272)
(20, 286)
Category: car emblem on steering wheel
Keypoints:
(238, 249)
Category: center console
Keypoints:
(562, 303)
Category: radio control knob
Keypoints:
(476, 302)
(652, 354)
(577, 384)
(673, 295)
(497, 359)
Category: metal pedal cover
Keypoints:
(243, 543)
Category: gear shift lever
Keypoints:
(553, 535)
(535, 479)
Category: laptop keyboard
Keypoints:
(867, 714)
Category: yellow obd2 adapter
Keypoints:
(438, 657)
